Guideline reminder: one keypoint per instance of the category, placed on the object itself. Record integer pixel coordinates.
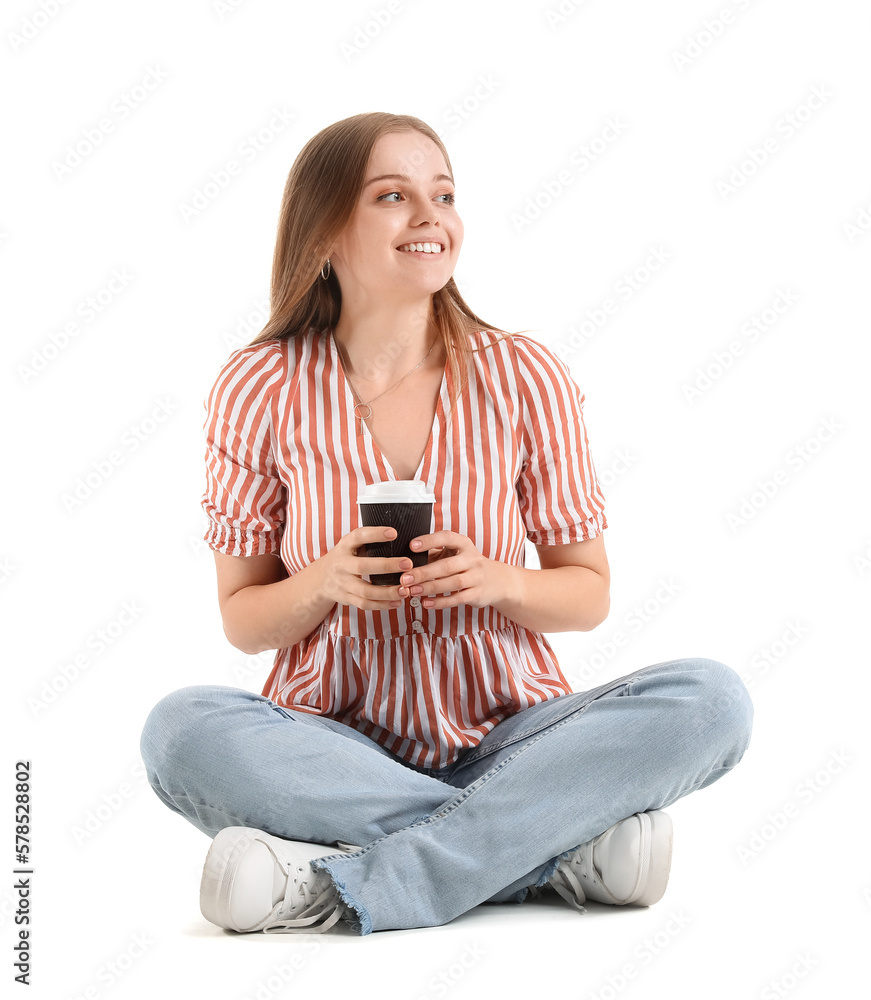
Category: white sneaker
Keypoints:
(253, 881)
(628, 863)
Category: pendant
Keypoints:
(361, 415)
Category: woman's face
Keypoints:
(414, 204)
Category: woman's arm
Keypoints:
(255, 593)
(570, 593)
(264, 608)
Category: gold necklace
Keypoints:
(362, 416)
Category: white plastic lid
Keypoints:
(398, 491)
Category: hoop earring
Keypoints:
(328, 268)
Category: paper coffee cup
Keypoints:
(402, 504)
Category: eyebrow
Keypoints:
(404, 177)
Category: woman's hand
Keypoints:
(455, 568)
(342, 570)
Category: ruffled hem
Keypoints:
(583, 532)
(235, 541)
(424, 697)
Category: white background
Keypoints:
(770, 891)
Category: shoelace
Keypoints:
(324, 906)
(565, 882)
(565, 878)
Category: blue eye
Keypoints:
(451, 198)
(389, 195)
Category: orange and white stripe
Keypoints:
(284, 465)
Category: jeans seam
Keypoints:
(522, 736)
(542, 728)
(479, 783)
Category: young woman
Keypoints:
(416, 750)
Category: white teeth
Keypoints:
(422, 248)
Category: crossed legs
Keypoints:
(490, 826)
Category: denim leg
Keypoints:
(222, 757)
(636, 744)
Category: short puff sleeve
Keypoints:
(558, 492)
(245, 500)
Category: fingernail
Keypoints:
(416, 545)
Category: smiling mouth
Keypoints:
(421, 248)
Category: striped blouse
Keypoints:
(284, 464)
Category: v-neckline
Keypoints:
(351, 401)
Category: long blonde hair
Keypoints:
(320, 196)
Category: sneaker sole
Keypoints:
(657, 841)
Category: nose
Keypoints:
(424, 213)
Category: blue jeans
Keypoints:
(437, 842)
